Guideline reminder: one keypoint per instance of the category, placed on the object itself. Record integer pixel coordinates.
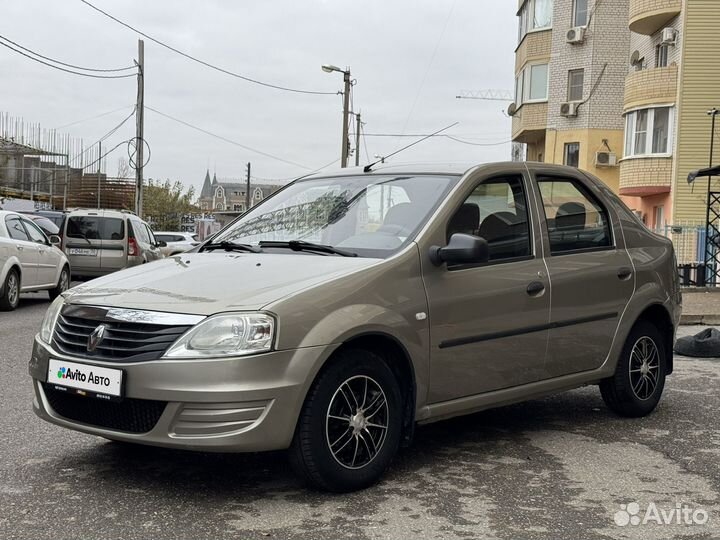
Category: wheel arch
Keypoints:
(397, 357)
(658, 315)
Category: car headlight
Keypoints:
(228, 334)
(51, 315)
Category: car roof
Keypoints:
(100, 212)
(4, 213)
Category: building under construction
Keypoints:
(56, 171)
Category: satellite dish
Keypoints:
(635, 58)
(512, 109)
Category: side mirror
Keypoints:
(462, 249)
(55, 240)
(160, 243)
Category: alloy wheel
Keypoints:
(13, 291)
(357, 422)
(644, 368)
(64, 281)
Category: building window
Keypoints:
(576, 80)
(219, 206)
(519, 88)
(258, 194)
(661, 55)
(536, 82)
(580, 13)
(659, 217)
(219, 192)
(534, 15)
(648, 132)
(572, 154)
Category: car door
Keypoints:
(82, 243)
(591, 274)
(113, 244)
(488, 322)
(25, 250)
(48, 258)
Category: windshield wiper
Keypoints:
(230, 246)
(301, 245)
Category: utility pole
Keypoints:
(98, 172)
(357, 139)
(346, 114)
(247, 190)
(139, 125)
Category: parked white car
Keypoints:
(177, 242)
(29, 261)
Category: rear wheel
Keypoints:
(11, 291)
(350, 425)
(62, 285)
(639, 378)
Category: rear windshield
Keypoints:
(96, 228)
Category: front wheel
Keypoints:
(639, 378)
(350, 425)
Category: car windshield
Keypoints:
(370, 215)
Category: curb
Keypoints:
(707, 320)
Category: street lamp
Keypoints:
(329, 68)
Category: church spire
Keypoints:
(206, 191)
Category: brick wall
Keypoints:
(646, 172)
(529, 117)
(535, 46)
(650, 86)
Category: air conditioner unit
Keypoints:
(569, 109)
(575, 35)
(605, 159)
(669, 35)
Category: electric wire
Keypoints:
(230, 141)
(118, 145)
(124, 107)
(203, 62)
(107, 135)
(63, 63)
(64, 69)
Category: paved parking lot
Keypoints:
(559, 467)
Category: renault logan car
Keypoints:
(346, 308)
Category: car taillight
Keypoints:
(133, 249)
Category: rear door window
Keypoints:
(576, 220)
(96, 228)
(16, 229)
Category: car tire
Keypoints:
(62, 285)
(11, 291)
(639, 379)
(336, 450)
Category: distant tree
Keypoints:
(164, 204)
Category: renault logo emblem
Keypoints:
(96, 337)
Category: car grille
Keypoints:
(129, 415)
(122, 341)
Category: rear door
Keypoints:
(83, 242)
(591, 276)
(48, 259)
(24, 249)
(113, 255)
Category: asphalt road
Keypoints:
(559, 467)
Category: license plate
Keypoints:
(90, 252)
(85, 380)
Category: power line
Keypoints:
(63, 63)
(118, 145)
(203, 62)
(124, 107)
(66, 70)
(206, 132)
(451, 137)
(107, 135)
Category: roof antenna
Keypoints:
(368, 168)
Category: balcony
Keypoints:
(649, 16)
(651, 86)
(534, 46)
(642, 177)
(529, 122)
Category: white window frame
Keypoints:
(630, 118)
(219, 192)
(570, 86)
(526, 19)
(527, 82)
(574, 14)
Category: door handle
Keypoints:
(624, 273)
(20, 248)
(535, 288)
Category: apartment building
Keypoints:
(673, 80)
(570, 70)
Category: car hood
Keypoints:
(208, 283)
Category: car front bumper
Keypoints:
(243, 404)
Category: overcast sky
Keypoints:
(409, 58)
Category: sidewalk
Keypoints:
(701, 306)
